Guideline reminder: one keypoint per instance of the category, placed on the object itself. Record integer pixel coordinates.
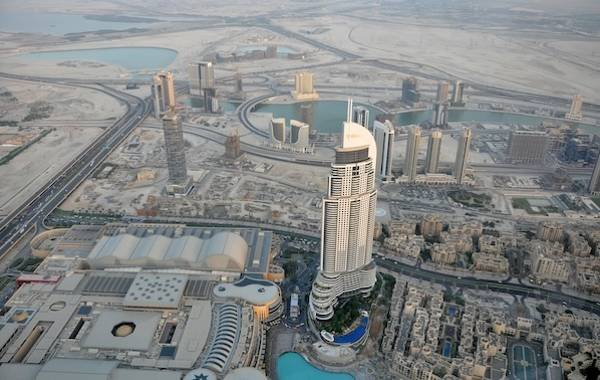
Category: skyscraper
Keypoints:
(434, 147)
(462, 155)
(412, 152)
(527, 147)
(594, 187)
(163, 93)
(278, 130)
(299, 134)
(575, 111)
(175, 148)
(360, 115)
(410, 93)
(232, 145)
(457, 94)
(201, 76)
(440, 107)
(384, 140)
(202, 83)
(304, 87)
(347, 223)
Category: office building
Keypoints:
(410, 93)
(440, 106)
(462, 155)
(175, 148)
(457, 94)
(575, 111)
(384, 140)
(163, 93)
(594, 186)
(299, 134)
(304, 87)
(201, 76)
(412, 152)
(278, 130)
(527, 147)
(232, 145)
(348, 222)
(360, 115)
(434, 147)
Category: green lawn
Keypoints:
(523, 204)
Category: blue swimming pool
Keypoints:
(292, 366)
(355, 335)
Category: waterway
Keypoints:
(292, 366)
(134, 59)
(327, 116)
(58, 23)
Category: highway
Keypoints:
(33, 211)
(495, 286)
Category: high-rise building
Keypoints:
(304, 87)
(163, 93)
(201, 76)
(232, 145)
(412, 152)
(238, 82)
(440, 107)
(527, 147)
(360, 115)
(175, 148)
(410, 93)
(278, 130)
(457, 94)
(575, 111)
(384, 140)
(594, 187)
(462, 155)
(299, 134)
(434, 148)
(348, 222)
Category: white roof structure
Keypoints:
(253, 291)
(225, 251)
(139, 337)
(245, 373)
(155, 290)
(356, 136)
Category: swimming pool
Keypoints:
(292, 366)
(355, 335)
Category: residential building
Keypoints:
(462, 155)
(384, 139)
(412, 152)
(434, 147)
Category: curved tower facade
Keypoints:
(347, 223)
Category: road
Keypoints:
(495, 286)
(33, 211)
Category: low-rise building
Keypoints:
(486, 262)
(444, 254)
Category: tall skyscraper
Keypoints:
(202, 84)
(299, 134)
(575, 111)
(163, 93)
(278, 130)
(527, 147)
(360, 115)
(594, 186)
(232, 145)
(304, 87)
(410, 93)
(201, 76)
(175, 148)
(462, 155)
(440, 107)
(384, 140)
(412, 152)
(434, 147)
(347, 223)
(457, 94)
